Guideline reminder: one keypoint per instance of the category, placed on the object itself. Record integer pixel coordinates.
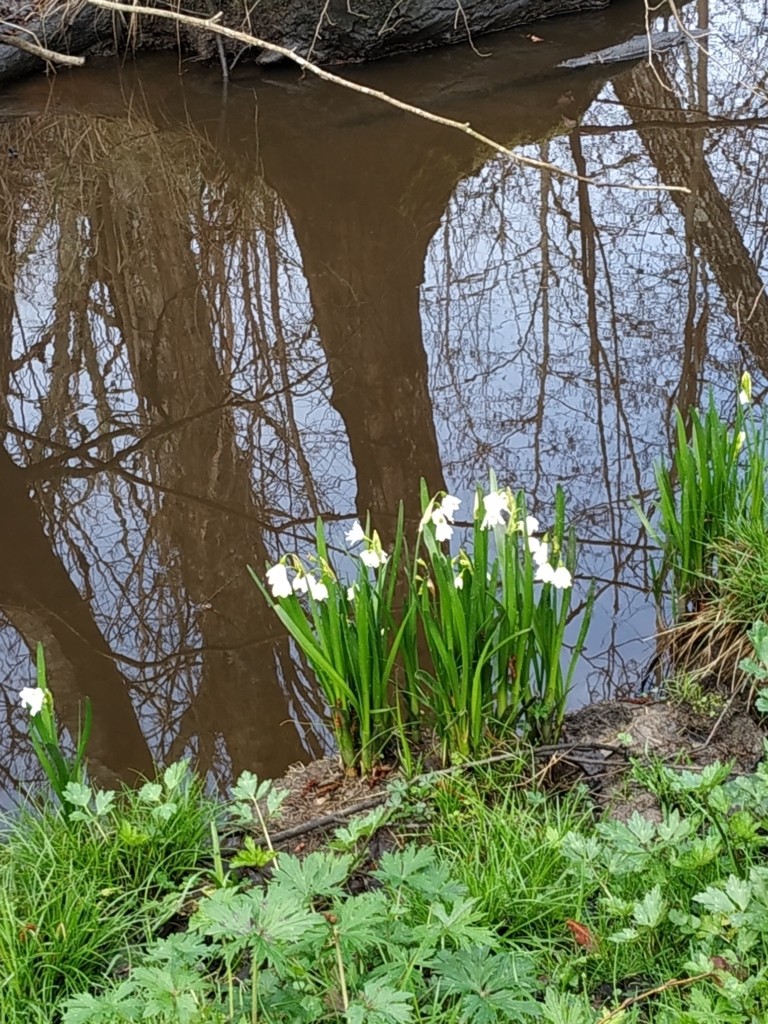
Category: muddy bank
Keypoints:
(598, 746)
(327, 32)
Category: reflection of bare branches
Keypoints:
(712, 226)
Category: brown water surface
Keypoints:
(224, 312)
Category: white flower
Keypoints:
(449, 506)
(545, 573)
(442, 529)
(427, 515)
(32, 697)
(277, 578)
(355, 535)
(743, 397)
(530, 525)
(317, 590)
(494, 504)
(539, 550)
(351, 593)
(458, 582)
(741, 437)
(561, 578)
(300, 585)
(373, 558)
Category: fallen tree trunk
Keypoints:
(325, 31)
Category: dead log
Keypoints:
(325, 31)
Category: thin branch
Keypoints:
(640, 997)
(211, 24)
(41, 51)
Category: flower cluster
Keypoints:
(501, 503)
(280, 583)
(499, 509)
(302, 583)
(441, 516)
(374, 555)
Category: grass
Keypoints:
(504, 843)
(716, 477)
(77, 896)
(710, 523)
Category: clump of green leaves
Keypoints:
(520, 907)
(716, 479)
(60, 769)
(685, 689)
(301, 949)
(422, 641)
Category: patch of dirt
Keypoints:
(322, 790)
(658, 729)
(605, 736)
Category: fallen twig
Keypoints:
(336, 818)
(674, 983)
(211, 24)
(556, 752)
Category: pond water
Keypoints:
(226, 312)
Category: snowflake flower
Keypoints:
(355, 535)
(449, 506)
(373, 558)
(539, 550)
(458, 582)
(530, 525)
(559, 578)
(545, 573)
(317, 589)
(32, 697)
(277, 578)
(495, 504)
(300, 585)
(443, 531)
(562, 578)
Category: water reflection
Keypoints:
(223, 316)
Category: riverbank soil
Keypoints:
(599, 743)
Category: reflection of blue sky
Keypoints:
(517, 382)
(520, 386)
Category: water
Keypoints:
(224, 313)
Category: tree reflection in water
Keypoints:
(224, 317)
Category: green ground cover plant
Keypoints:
(515, 905)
